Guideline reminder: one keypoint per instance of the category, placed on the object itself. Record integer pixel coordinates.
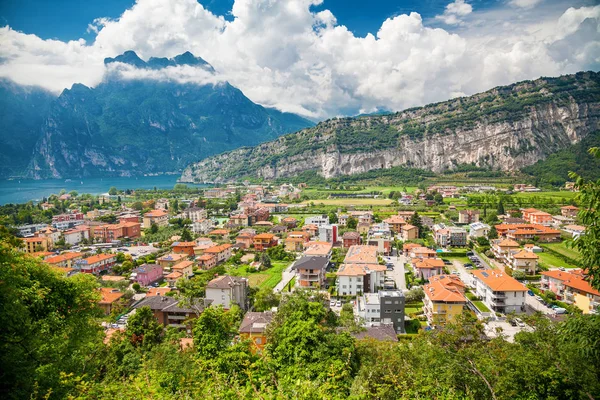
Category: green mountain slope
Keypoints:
(506, 128)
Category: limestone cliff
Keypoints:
(505, 128)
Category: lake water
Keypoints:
(22, 191)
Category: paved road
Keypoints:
(397, 274)
(287, 275)
(464, 273)
(537, 305)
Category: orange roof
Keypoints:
(219, 232)
(35, 239)
(423, 250)
(526, 255)
(294, 239)
(499, 282)
(361, 254)
(183, 264)
(155, 213)
(317, 248)
(541, 213)
(266, 236)
(127, 224)
(183, 244)
(575, 228)
(264, 223)
(569, 208)
(110, 295)
(99, 257)
(158, 291)
(452, 280)
(173, 257)
(112, 278)
(64, 270)
(408, 227)
(351, 270)
(395, 219)
(530, 210)
(217, 249)
(63, 257)
(508, 243)
(437, 291)
(174, 275)
(582, 286)
(430, 263)
(408, 246)
(563, 275)
(205, 257)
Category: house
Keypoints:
(541, 218)
(203, 244)
(130, 229)
(260, 215)
(328, 233)
(363, 228)
(49, 232)
(554, 280)
(500, 292)
(254, 327)
(409, 232)
(202, 226)
(168, 260)
(444, 299)
(195, 214)
(381, 333)
(559, 220)
(206, 261)
(158, 291)
(290, 222)
(221, 252)
(408, 247)
(77, 235)
(363, 217)
(450, 236)
(317, 220)
(185, 268)
(96, 264)
(581, 294)
(279, 229)
(361, 254)
(468, 216)
(169, 311)
(245, 239)
(64, 260)
(147, 274)
(395, 223)
(384, 308)
(350, 239)
(569, 211)
(574, 230)
(427, 267)
(501, 248)
(478, 229)
(295, 241)
(264, 240)
(238, 221)
(319, 249)
(353, 279)
(523, 260)
(173, 277)
(35, 244)
(311, 271)
(183, 248)
(129, 218)
(224, 233)
(228, 290)
(528, 231)
(109, 299)
(106, 233)
(158, 217)
(422, 253)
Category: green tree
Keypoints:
(352, 223)
(153, 228)
(493, 233)
(112, 191)
(186, 235)
(265, 260)
(501, 208)
(214, 329)
(333, 218)
(143, 328)
(265, 299)
(415, 220)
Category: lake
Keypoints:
(22, 191)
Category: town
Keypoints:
(413, 260)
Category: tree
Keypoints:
(588, 244)
(143, 328)
(415, 220)
(153, 228)
(265, 260)
(265, 299)
(174, 205)
(186, 235)
(137, 206)
(493, 233)
(438, 198)
(333, 218)
(112, 191)
(214, 329)
(414, 295)
(352, 223)
(501, 208)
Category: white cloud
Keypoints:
(527, 4)
(454, 11)
(282, 54)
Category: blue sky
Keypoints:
(69, 19)
(314, 60)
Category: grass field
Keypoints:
(351, 202)
(552, 261)
(563, 249)
(555, 195)
(264, 279)
(413, 307)
(481, 306)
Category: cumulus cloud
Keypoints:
(455, 11)
(284, 55)
(524, 3)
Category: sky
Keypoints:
(317, 58)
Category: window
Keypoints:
(343, 286)
(396, 302)
(515, 294)
(397, 311)
(388, 311)
(388, 302)
(223, 297)
(258, 340)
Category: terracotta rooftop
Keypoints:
(499, 282)
(361, 254)
(158, 291)
(110, 295)
(317, 248)
(526, 255)
(437, 291)
(217, 249)
(62, 257)
(581, 285)
(99, 258)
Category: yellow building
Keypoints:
(444, 299)
(35, 244)
(158, 217)
(254, 327)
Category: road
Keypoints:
(537, 305)
(287, 275)
(397, 274)
(464, 274)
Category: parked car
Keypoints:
(338, 303)
(560, 310)
(332, 303)
(470, 253)
(467, 265)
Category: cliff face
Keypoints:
(506, 128)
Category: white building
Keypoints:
(195, 214)
(500, 292)
(354, 279)
(328, 233)
(317, 220)
(478, 229)
(228, 290)
(202, 226)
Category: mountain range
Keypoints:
(506, 128)
(129, 126)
